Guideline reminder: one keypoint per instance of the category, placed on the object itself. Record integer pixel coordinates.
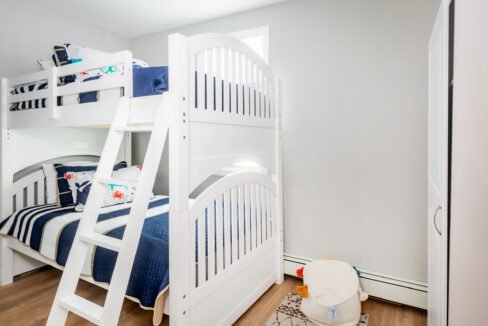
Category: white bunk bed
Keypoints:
(222, 100)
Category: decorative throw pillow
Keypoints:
(115, 193)
(51, 178)
(64, 173)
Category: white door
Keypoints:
(438, 168)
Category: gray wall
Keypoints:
(354, 76)
(469, 218)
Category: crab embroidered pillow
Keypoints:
(115, 193)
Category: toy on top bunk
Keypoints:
(331, 294)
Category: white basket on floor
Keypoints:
(334, 295)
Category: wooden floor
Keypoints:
(27, 302)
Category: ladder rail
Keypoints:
(66, 299)
(72, 272)
(121, 274)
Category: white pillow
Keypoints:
(51, 179)
(115, 193)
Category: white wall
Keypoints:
(354, 76)
(469, 218)
(27, 33)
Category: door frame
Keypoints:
(442, 25)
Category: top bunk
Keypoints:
(82, 93)
(227, 83)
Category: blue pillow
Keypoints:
(65, 196)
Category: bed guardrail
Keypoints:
(54, 90)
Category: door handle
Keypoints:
(437, 210)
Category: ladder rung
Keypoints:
(101, 240)
(140, 128)
(82, 307)
(118, 181)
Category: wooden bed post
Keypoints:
(6, 253)
(179, 182)
(279, 181)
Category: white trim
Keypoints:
(383, 286)
(256, 32)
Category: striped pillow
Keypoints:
(65, 196)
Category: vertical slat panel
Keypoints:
(258, 92)
(219, 233)
(242, 225)
(210, 79)
(265, 96)
(248, 85)
(233, 102)
(201, 78)
(227, 230)
(218, 77)
(40, 193)
(211, 240)
(202, 266)
(30, 195)
(227, 79)
(193, 82)
(259, 216)
(234, 224)
(248, 217)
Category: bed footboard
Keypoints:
(236, 242)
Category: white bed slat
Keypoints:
(193, 82)
(218, 77)
(226, 74)
(210, 79)
(233, 78)
(31, 195)
(193, 255)
(227, 230)
(202, 266)
(19, 200)
(240, 83)
(248, 212)
(259, 216)
(219, 232)
(242, 226)
(201, 95)
(234, 224)
(269, 232)
(107, 82)
(40, 193)
(211, 240)
(40, 94)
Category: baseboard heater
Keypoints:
(391, 288)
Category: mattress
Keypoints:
(147, 81)
(50, 230)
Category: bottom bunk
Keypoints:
(46, 233)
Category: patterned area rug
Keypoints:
(288, 313)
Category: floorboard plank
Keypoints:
(28, 300)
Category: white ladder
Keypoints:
(66, 300)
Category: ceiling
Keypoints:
(133, 18)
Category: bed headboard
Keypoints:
(227, 112)
(29, 184)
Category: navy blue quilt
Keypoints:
(50, 230)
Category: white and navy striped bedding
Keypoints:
(146, 81)
(50, 230)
